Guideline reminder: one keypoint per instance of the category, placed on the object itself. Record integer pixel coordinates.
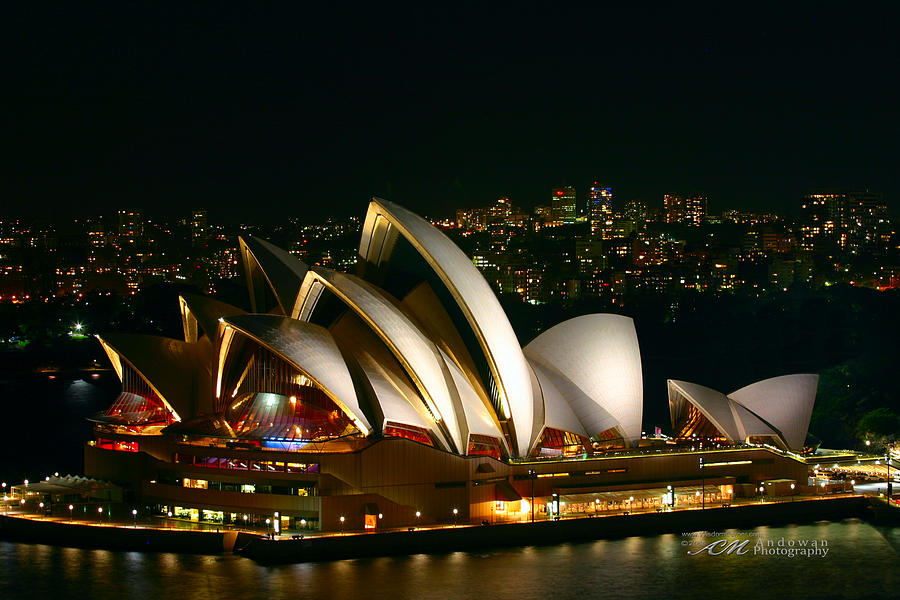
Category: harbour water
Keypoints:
(846, 559)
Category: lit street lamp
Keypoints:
(71, 508)
(702, 485)
(532, 473)
(455, 512)
(887, 459)
(342, 525)
(134, 517)
(793, 487)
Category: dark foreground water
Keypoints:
(861, 562)
(44, 431)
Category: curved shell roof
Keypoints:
(780, 407)
(392, 395)
(786, 402)
(473, 295)
(178, 371)
(409, 345)
(714, 405)
(312, 350)
(557, 411)
(282, 271)
(599, 355)
(206, 312)
(478, 419)
(750, 424)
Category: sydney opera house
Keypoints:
(400, 395)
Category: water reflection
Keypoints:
(861, 561)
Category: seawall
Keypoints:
(444, 539)
(62, 533)
(548, 532)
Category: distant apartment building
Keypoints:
(563, 205)
(688, 210)
(600, 211)
(199, 228)
(854, 222)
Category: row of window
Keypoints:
(117, 445)
(297, 488)
(244, 464)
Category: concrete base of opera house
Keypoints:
(427, 540)
(411, 485)
(449, 539)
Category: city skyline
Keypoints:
(584, 194)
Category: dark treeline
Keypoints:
(848, 335)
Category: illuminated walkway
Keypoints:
(163, 523)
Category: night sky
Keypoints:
(266, 111)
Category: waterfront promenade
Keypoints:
(197, 538)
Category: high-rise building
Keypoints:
(689, 210)
(475, 219)
(96, 233)
(563, 202)
(199, 227)
(131, 224)
(696, 209)
(600, 211)
(673, 206)
(499, 212)
(844, 221)
(636, 212)
(822, 222)
(864, 216)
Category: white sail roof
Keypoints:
(780, 408)
(599, 355)
(473, 295)
(714, 405)
(312, 350)
(419, 356)
(785, 402)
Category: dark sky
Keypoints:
(268, 110)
